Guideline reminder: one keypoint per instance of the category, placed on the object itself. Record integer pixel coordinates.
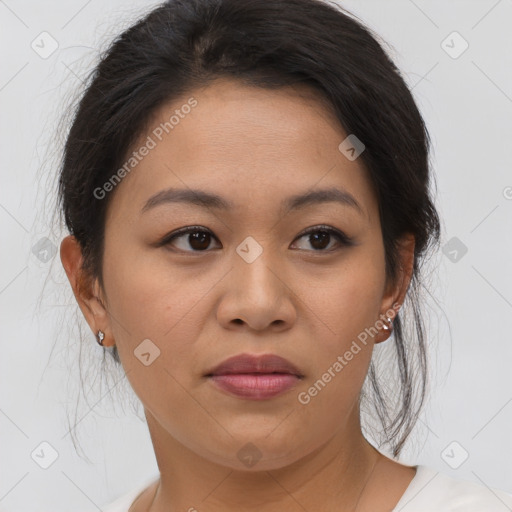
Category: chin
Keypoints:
(253, 451)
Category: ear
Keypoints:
(396, 290)
(86, 289)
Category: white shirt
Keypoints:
(428, 491)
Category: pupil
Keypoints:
(321, 236)
(198, 240)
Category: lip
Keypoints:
(248, 363)
(255, 387)
(255, 377)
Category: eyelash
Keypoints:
(343, 239)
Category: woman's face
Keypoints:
(249, 281)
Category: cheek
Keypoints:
(348, 301)
(345, 309)
(147, 296)
(151, 302)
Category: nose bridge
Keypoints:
(255, 269)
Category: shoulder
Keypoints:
(123, 503)
(432, 490)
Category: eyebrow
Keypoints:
(209, 200)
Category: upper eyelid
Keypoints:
(191, 229)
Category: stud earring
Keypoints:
(100, 337)
(390, 328)
(387, 330)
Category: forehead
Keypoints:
(251, 145)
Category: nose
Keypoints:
(257, 296)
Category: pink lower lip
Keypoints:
(255, 386)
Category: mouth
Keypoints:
(255, 377)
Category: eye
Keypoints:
(321, 236)
(198, 238)
(195, 237)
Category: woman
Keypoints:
(246, 187)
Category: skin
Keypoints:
(254, 147)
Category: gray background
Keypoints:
(466, 100)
